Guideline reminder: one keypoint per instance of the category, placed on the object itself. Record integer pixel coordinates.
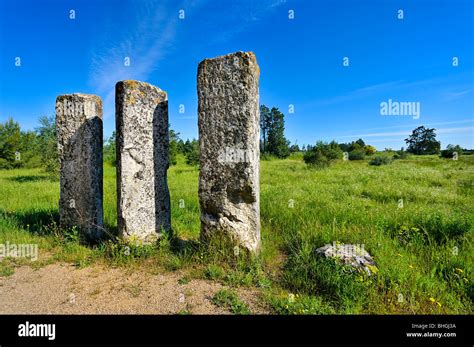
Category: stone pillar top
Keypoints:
(80, 104)
(134, 85)
(248, 56)
(80, 95)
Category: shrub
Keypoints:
(357, 154)
(192, 156)
(369, 150)
(448, 153)
(316, 159)
(380, 160)
(313, 274)
(401, 154)
(48, 145)
(322, 153)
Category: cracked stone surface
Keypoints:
(229, 133)
(79, 131)
(143, 200)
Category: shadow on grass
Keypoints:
(44, 221)
(33, 178)
(179, 246)
(34, 221)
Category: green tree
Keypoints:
(48, 144)
(30, 155)
(294, 148)
(192, 156)
(450, 150)
(110, 149)
(277, 144)
(174, 146)
(265, 124)
(423, 141)
(361, 143)
(10, 144)
(369, 150)
(320, 155)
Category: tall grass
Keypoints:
(422, 247)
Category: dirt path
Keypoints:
(63, 289)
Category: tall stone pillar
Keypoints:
(229, 134)
(142, 161)
(79, 132)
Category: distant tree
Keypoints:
(187, 147)
(320, 155)
(294, 148)
(332, 150)
(345, 147)
(110, 152)
(192, 156)
(369, 150)
(174, 146)
(401, 154)
(450, 150)
(29, 150)
(277, 144)
(180, 146)
(10, 144)
(423, 141)
(48, 144)
(315, 158)
(265, 124)
(361, 143)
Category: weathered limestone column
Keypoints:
(143, 197)
(229, 133)
(79, 131)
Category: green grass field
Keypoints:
(423, 250)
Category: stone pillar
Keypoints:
(229, 134)
(79, 131)
(143, 199)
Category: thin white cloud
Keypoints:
(461, 121)
(146, 42)
(406, 133)
(240, 15)
(395, 87)
(451, 96)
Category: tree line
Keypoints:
(38, 147)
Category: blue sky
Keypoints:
(301, 60)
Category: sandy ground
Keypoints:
(63, 289)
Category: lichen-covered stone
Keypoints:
(354, 256)
(79, 131)
(143, 198)
(229, 133)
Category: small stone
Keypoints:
(353, 255)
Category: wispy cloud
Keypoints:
(451, 96)
(407, 132)
(410, 126)
(240, 15)
(436, 86)
(145, 42)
